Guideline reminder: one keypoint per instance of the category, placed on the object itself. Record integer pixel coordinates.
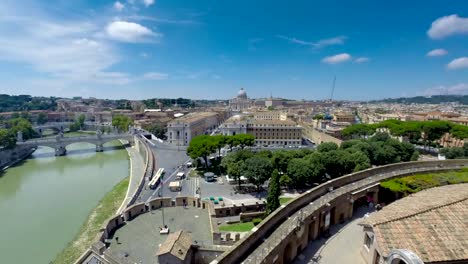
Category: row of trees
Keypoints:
(11, 128)
(298, 168)
(204, 145)
(12, 103)
(418, 132)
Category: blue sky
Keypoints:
(210, 48)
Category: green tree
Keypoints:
(453, 153)
(319, 117)
(201, 147)
(280, 160)
(41, 118)
(285, 180)
(305, 171)
(327, 146)
(7, 139)
(156, 129)
(274, 192)
(358, 130)
(234, 170)
(257, 170)
(81, 121)
(220, 142)
(122, 122)
(245, 140)
(23, 125)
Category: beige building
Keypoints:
(275, 132)
(430, 226)
(270, 115)
(266, 130)
(344, 117)
(181, 130)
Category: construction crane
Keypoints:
(333, 89)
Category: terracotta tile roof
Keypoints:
(177, 244)
(432, 223)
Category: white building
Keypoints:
(241, 102)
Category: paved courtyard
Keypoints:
(342, 247)
(139, 239)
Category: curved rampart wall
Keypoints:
(264, 230)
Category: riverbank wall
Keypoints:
(141, 160)
(10, 157)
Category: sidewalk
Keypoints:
(137, 166)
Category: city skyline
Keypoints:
(140, 49)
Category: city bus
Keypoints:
(156, 179)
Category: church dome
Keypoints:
(242, 93)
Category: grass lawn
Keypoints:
(285, 200)
(106, 208)
(239, 227)
(416, 183)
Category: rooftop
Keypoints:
(177, 244)
(139, 239)
(194, 117)
(432, 223)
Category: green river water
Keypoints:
(45, 200)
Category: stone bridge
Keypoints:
(63, 126)
(281, 236)
(59, 143)
(57, 126)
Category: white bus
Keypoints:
(156, 179)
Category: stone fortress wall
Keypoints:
(287, 231)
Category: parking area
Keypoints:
(222, 188)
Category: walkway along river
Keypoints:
(45, 199)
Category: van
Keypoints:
(180, 176)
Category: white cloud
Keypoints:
(148, 2)
(436, 53)
(361, 60)
(119, 6)
(64, 54)
(331, 41)
(157, 76)
(130, 32)
(339, 40)
(335, 59)
(448, 26)
(458, 63)
(458, 89)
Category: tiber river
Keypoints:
(45, 200)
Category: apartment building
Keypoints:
(181, 130)
(275, 132)
(265, 131)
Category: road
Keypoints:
(170, 158)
